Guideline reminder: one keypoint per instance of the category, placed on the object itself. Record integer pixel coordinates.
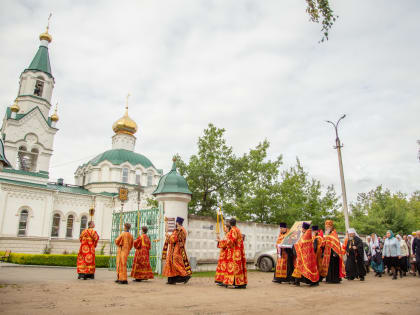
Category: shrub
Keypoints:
(53, 260)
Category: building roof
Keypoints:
(56, 187)
(172, 183)
(41, 61)
(120, 156)
(20, 116)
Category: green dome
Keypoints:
(172, 183)
(119, 156)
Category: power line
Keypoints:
(70, 162)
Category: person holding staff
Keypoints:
(222, 262)
(236, 273)
(177, 267)
(124, 243)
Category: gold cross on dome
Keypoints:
(49, 18)
(126, 102)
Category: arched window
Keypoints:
(125, 175)
(138, 177)
(55, 225)
(83, 224)
(149, 179)
(39, 87)
(23, 222)
(69, 230)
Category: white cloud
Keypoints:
(252, 67)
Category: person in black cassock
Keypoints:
(355, 264)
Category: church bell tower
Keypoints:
(28, 129)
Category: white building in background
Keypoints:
(36, 214)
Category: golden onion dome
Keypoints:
(15, 107)
(125, 124)
(54, 117)
(45, 36)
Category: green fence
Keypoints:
(153, 219)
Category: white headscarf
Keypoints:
(373, 245)
(352, 230)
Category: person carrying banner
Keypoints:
(317, 237)
(284, 266)
(86, 257)
(177, 267)
(222, 262)
(306, 269)
(141, 269)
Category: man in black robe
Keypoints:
(355, 264)
(416, 251)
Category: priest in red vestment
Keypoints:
(333, 269)
(306, 269)
(141, 269)
(177, 267)
(317, 237)
(124, 243)
(222, 263)
(86, 258)
(236, 273)
(284, 266)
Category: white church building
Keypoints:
(38, 215)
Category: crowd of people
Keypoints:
(395, 255)
(315, 256)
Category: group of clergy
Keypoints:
(177, 267)
(317, 256)
(141, 269)
(312, 258)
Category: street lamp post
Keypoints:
(338, 146)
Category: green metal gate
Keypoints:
(153, 219)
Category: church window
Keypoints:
(23, 222)
(83, 223)
(125, 175)
(39, 87)
(138, 176)
(149, 179)
(69, 231)
(55, 225)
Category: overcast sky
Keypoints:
(254, 68)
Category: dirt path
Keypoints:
(57, 291)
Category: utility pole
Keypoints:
(338, 146)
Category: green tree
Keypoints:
(320, 11)
(251, 187)
(256, 195)
(380, 210)
(213, 174)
